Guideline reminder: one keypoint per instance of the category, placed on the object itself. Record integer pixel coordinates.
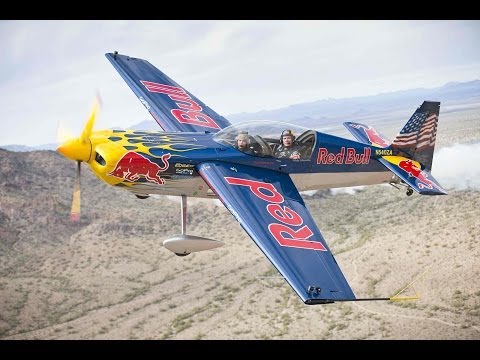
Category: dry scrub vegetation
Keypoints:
(108, 277)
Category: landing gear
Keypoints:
(142, 196)
(183, 245)
(396, 181)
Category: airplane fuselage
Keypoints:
(157, 162)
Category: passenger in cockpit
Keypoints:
(242, 143)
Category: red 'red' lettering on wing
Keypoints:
(284, 214)
(283, 232)
(255, 186)
(296, 238)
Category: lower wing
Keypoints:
(270, 209)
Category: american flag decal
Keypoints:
(421, 130)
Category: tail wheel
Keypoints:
(409, 191)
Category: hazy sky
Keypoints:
(51, 70)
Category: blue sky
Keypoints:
(50, 71)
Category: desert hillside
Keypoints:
(108, 276)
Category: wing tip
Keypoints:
(319, 301)
(331, 301)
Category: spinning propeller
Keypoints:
(80, 149)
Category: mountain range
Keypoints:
(330, 113)
(351, 109)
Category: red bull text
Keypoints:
(345, 156)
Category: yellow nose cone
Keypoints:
(76, 149)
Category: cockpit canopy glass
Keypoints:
(265, 136)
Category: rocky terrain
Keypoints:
(108, 276)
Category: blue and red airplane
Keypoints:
(195, 155)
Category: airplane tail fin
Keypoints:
(410, 155)
(417, 138)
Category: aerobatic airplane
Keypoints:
(195, 155)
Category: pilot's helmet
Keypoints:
(287, 133)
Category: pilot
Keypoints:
(242, 143)
(288, 147)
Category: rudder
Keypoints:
(417, 138)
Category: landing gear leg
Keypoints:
(409, 191)
(182, 245)
(184, 214)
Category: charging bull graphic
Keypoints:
(132, 166)
(372, 135)
(420, 175)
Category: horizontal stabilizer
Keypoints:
(410, 172)
(367, 135)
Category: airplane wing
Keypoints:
(270, 209)
(173, 107)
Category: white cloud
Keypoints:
(458, 167)
(352, 190)
(308, 192)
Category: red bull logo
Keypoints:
(345, 156)
(189, 112)
(372, 135)
(285, 217)
(132, 166)
(420, 175)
